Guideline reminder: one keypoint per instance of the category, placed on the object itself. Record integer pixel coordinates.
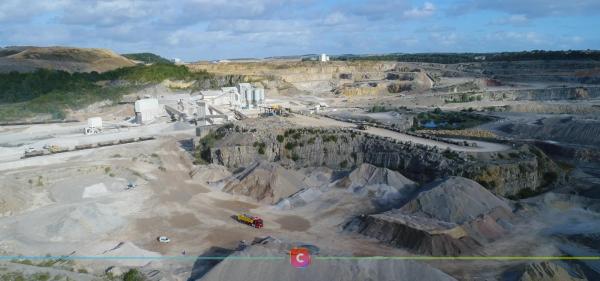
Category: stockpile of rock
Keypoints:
(451, 217)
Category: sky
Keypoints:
(217, 29)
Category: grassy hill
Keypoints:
(148, 58)
(24, 95)
(28, 59)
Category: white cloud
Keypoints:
(427, 10)
(516, 20)
(528, 37)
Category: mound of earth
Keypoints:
(386, 187)
(453, 216)
(419, 234)
(266, 182)
(232, 269)
(454, 199)
(549, 271)
(62, 58)
(370, 187)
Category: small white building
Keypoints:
(323, 57)
(146, 110)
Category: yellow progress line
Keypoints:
(474, 258)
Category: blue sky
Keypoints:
(212, 29)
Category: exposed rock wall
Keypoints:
(342, 149)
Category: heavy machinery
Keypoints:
(253, 221)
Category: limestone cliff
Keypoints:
(527, 169)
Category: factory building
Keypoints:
(323, 57)
(146, 110)
(250, 96)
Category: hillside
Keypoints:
(28, 59)
(147, 58)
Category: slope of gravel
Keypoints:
(454, 199)
(327, 270)
(265, 182)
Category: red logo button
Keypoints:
(299, 257)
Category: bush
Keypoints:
(549, 178)
(280, 138)
(290, 145)
(133, 275)
(295, 156)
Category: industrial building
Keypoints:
(146, 110)
(323, 58)
(250, 96)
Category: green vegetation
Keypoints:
(44, 91)
(202, 155)
(549, 178)
(378, 108)
(450, 154)
(133, 275)
(438, 119)
(328, 138)
(147, 58)
(447, 58)
(280, 138)
(261, 147)
(295, 156)
(290, 145)
(464, 97)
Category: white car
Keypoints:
(163, 239)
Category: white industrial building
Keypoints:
(250, 96)
(146, 110)
(209, 107)
(323, 57)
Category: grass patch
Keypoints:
(450, 120)
(133, 275)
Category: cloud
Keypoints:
(530, 8)
(515, 20)
(427, 10)
(377, 10)
(193, 29)
(527, 37)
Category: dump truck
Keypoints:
(253, 221)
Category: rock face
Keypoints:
(549, 271)
(334, 270)
(344, 148)
(451, 217)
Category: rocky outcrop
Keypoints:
(345, 148)
(452, 217)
